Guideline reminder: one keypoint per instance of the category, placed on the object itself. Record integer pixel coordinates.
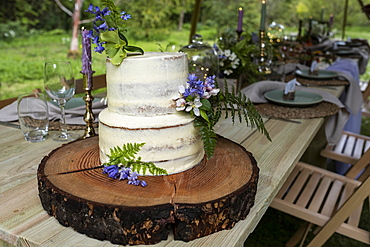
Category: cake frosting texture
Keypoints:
(141, 109)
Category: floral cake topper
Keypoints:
(108, 32)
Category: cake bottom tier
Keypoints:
(171, 141)
(207, 198)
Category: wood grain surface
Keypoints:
(210, 197)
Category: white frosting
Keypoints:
(141, 109)
(147, 84)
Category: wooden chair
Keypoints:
(349, 149)
(326, 199)
(99, 81)
(366, 96)
(6, 102)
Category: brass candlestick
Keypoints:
(239, 34)
(263, 62)
(89, 115)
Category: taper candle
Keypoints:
(240, 20)
(322, 14)
(331, 20)
(86, 57)
(263, 15)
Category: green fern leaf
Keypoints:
(125, 157)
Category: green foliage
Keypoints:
(238, 108)
(245, 50)
(241, 108)
(125, 157)
(207, 134)
(12, 29)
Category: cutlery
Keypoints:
(283, 119)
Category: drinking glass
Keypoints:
(33, 116)
(60, 86)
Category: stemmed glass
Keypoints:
(60, 86)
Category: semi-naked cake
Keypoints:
(141, 109)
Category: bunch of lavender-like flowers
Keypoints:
(122, 173)
(108, 32)
(194, 98)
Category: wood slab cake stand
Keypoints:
(210, 197)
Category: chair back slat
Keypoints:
(318, 199)
(309, 190)
(361, 165)
(99, 81)
(332, 198)
(348, 208)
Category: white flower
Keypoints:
(181, 89)
(233, 56)
(180, 104)
(214, 91)
(228, 72)
(181, 92)
(227, 53)
(206, 95)
(194, 106)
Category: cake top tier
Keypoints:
(156, 55)
(145, 85)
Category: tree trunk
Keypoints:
(181, 20)
(76, 16)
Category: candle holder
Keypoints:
(239, 33)
(89, 115)
(263, 61)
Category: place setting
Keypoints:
(314, 76)
(290, 102)
(57, 109)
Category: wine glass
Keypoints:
(60, 86)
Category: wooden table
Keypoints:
(23, 221)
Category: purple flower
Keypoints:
(124, 173)
(103, 26)
(105, 11)
(96, 11)
(112, 171)
(143, 183)
(90, 34)
(192, 77)
(133, 179)
(99, 47)
(125, 16)
(90, 9)
(99, 18)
